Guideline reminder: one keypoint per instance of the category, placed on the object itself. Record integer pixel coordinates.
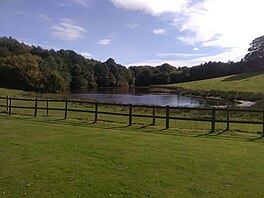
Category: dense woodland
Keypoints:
(33, 68)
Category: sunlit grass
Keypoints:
(43, 157)
(249, 82)
(49, 156)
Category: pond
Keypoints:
(143, 96)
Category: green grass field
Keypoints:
(48, 156)
(249, 82)
(43, 157)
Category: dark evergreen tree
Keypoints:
(254, 60)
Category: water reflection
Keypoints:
(141, 95)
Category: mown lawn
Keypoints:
(51, 157)
(248, 82)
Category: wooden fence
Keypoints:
(8, 104)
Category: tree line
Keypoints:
(253, 61)
(34, 68)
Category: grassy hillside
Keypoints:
(59, 158)
(250, 82)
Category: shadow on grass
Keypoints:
(205, 134)
(143, 128)
(222, 132)
(234, 135)
(257, 138)
(241, 76)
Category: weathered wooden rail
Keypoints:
(8, 104)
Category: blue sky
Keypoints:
(137, 32)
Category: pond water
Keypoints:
(143, 96)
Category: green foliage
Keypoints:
(31, 67)
(34, 68)
(254, 60)
(10, 46)
(123, 77)
(20, 71)
(166, 74)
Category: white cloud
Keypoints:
(223, 23)
(19, 12)
(195, 49)
(179, 55)
(63, 4)
(154, 7)
(228, 24)
(133, 25)
(67, 30)
(70, 3)
(104, 42)
(44, 17)
(159, 31)
(67, 20)
(233, 54)
(86, 54)
(84, 3)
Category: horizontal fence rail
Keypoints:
(8, 104)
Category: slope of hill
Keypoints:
(248, 86)
(249, 82)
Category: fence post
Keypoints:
(167, 116)
(130, 115)
(213, 120)
(96, 112)
(66, 109)
(36, 107)
(153, 115)
(227, 118)
(47, 106)
(7, 103)
(263, 123)
(10, 106)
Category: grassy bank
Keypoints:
(69, 158)
(84, 117)
(13, 92)
(248, 86)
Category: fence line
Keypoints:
(9, 101)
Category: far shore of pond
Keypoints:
(202, 94)
(161, 90)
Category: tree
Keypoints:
(13, 46)
(78, 81)
(104, 78)
(21, 71)
(255, 58)
(123, 76)
(55, 76)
